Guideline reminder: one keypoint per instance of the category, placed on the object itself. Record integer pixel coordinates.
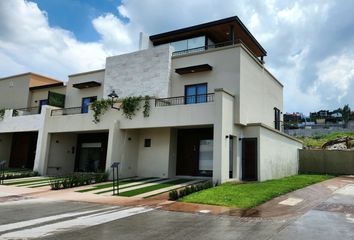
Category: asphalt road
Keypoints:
(48, 219)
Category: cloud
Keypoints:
(309, 43)
(30, 44)
(336, 72)
(115, 34)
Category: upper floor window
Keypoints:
(42, 102)
(191, 43)
(276, 118)
(86, 102)
(196, 93)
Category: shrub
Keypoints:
(19, 173)
(175, 195)
(76, 180)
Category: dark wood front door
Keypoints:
(23, 150)
(188, 143)
(249, 159)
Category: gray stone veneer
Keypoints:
(145, 72)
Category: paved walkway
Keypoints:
(300, 201)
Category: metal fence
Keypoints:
(193, 99)
(203, 48)
(66, 111)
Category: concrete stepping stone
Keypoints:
(126, 185)
(22, 179)
(167, 189)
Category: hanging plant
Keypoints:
(130, 105)
(146, 106)
(99, 107)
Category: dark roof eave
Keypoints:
(210, 24)
(60, 84)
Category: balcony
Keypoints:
(25, 111)
(66, 111)
(204, 48)
(182, 100)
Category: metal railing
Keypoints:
(25, 111)
(66, 111)
(192, 99)
(204, 48)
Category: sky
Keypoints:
(310, 44)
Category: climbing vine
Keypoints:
(99, 107)
(129, 106)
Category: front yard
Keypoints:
(248, 195)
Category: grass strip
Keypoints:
(109, 185)
(154, 187)
(25, 182)
(248, 195)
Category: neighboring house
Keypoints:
(216, 112)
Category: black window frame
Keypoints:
(147, 142)
(92, 99)
(196, 95)
(277, 118)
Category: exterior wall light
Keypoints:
(113, 95)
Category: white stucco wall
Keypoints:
(21, 123)
(5, 147)
(145, 72)
(225, 74)
(279, 155)
(60, 153)
(74, 96)
(123, 148)
(14, 92)
(223, 126)
(154, 161)
(260, 92)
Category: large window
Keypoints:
(196, 93)
(86, 102)
(276, 118)
(186, 44)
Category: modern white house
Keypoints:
(215, 111)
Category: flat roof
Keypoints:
(30, 73)
(217, 31)
(84, 73)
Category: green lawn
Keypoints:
(248, 195)
(153, 188)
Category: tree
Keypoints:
(345, 111)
